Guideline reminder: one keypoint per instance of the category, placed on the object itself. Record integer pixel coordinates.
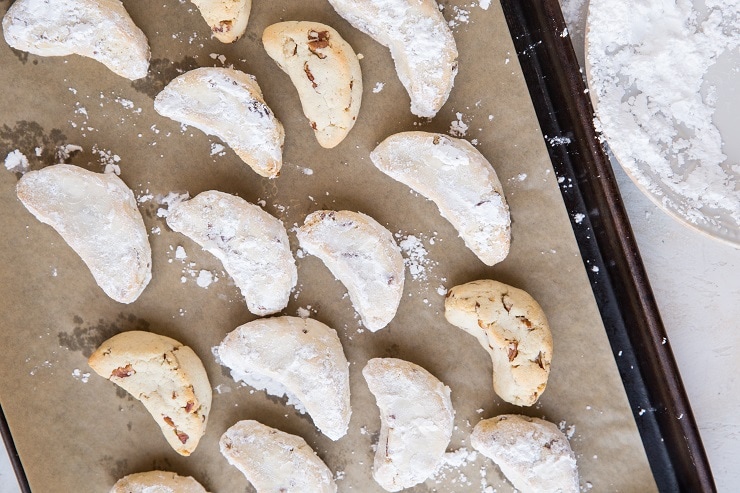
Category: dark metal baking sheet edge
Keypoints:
(618, 277)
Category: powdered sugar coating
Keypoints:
(420, 41)
(157, 482)
(532, 453)
(456, 177)
(228, 104)
(301, 354)
(97, 216)
(362, 254)
(416, 422)
(646, 63)
(252, 245)
(275, 461)
(99, 29)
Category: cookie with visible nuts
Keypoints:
(533, 454)
(324, 69)
(512, 327)
(97, 215)
(98, 29)
(252, 245)
(416, 422)
(227, 18)
(229, 104)
(420, 41)
(304, 356)
(157, 482)
(363, 255)
(459, 179)
(167, 377)
(275, 461)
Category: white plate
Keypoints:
(636, 57)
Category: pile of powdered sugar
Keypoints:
(647, 63)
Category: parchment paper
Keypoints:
(80, 433)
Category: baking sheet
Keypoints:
(71, 430)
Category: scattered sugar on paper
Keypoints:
(415, 256)
(458, 128)
(217, 149)
(108, 159)
(205, 278)
(452, 463)
(648, 62)
(16, 162)
(79, 375)
(484, 4)
(169, 200)
(578, 217)
(378, 87)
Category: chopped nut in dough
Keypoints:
(227, 18)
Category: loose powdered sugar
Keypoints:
(647, 62)
(16, 162)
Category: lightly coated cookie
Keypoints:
(251, 244)
(326, 72)
(512, 327)
(275, 461)
(97, 215)
(303, 356)
(166, 376)
(416, 422)
(229, 104)
(533, 454)
(157, 482)
(98, 29)
(458, 178)
(363, 255)
(420, 41)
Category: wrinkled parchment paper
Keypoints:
(78, 432)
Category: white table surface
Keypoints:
(696, 281)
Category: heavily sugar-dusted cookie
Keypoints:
(532, 453)
(252, 245)
(303, 357)
(362, 254)
(227, 18)
(275, 461)
(157, 482)
(512, 327)
(456, 177)
(97, 216)
(167, 377)
(228, 104)
(420, 41)
(326, 72)
(416, 422)
(98, 29)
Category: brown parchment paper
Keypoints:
(80, 433)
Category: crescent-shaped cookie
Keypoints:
(512, 327)
(97, 216)
(416, 422)
(533, 454)
(456, 177)
(362, 254)
(227, 18)
(98, 29)
(420, 41)
(326, 72)
(167, 377)
(228, 104)
(275, 461)
(252, 245)
(303, 356)
(157, 482)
